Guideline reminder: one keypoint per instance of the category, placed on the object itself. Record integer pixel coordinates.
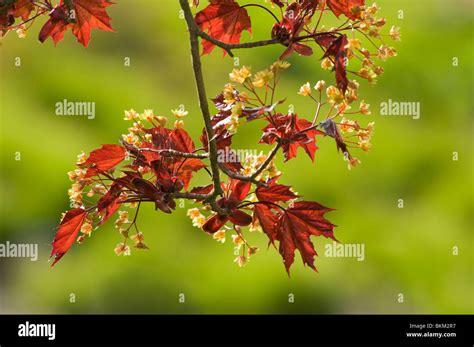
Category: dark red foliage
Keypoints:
(291, 132)
(224, 20)
(237, 191)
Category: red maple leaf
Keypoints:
(296, 226)
(294, 19)
(67, 232)
(274, 192)
(351, 8)
(267, 220)
(289, 129)
(293, 227)
(224, 20)
(337, 49)
(109, 202)
(10, 10)
(238, 190)
(84, 16)
(104, 159)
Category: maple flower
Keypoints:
(326, 64)
(199, 221)
(237, 240)
(280, 64)
(352, 162)
(342, 107)
(273, 171)
(86, 228)
(122, 219)
(364, 145)
(395, 33)
(180, 113)
(371, 10)
(219, 236)
(334, 94)
(234, 120)
(305, 89)
(162, 120)
(353, 44)
(123, 216)
(21, 32)
(247, 170)
(370, 127)
(178, 124)
(122, 249)
(255, 226)
(229, 93)
(193, 213)
(76, 175)
(137, 238)
(364, 108)
(384, 52)
(240, 260)
(240, 75)
(261, 78)
(81, 158)
(252, 250)
(130, 138)
(319, 86)
(75, 194)
(347, 126)
(364, 134)
(147, 115)
(131, 115)
(197, 217)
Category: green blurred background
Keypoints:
(408, 251)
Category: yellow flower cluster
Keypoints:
(240, 75)
(120, 221)
(122, 249)
(253, 162)
(197, 217)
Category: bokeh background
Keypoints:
(408, 251)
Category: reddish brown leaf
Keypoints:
(275, 192)
(238, 192)
(67, 233)
(56, 26)
(9, 11)
(83, 17)
(203, 190)
(106, 157)
(338, 51)
(181, 141)
(292, 131)
(350, 8)
(240, 218)
(267, 220)
(296, 226)
(224, 20)
(109, 202)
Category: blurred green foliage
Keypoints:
(408, 250)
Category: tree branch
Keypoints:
(237, 176)
(268, 160)
(196, 62)
(174, 153)
(225, 46)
